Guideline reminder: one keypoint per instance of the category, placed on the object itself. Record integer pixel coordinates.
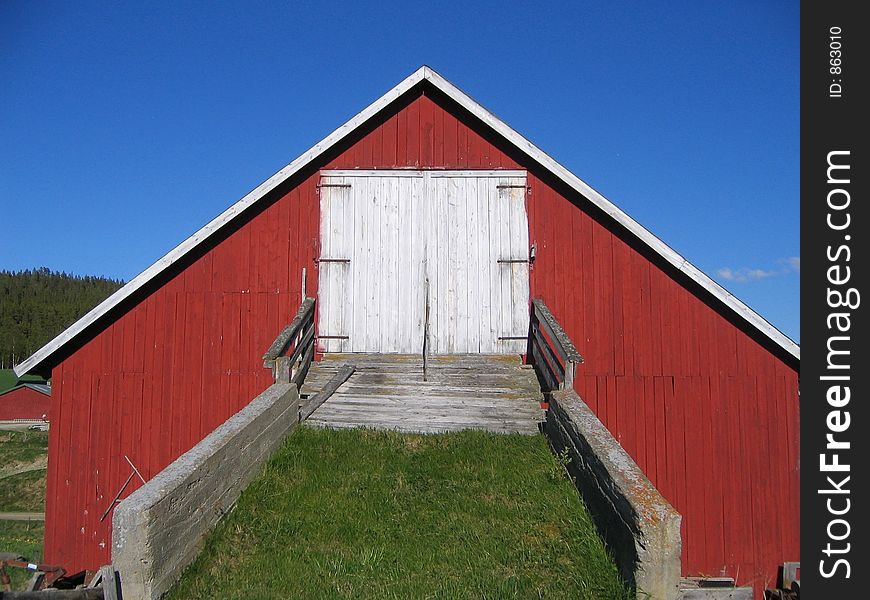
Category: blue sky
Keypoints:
(124, 127)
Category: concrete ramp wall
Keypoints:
(159, 529)
(640, 527)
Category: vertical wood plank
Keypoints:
(774, 505)
(376, 140)
(708, 476)
(503, 208)
(638, 412)
(390, 248)
(718, 470)
(427, 261)
(519, 249)
(414, 133)
(341, 274)
(462, 146)
(676, 449)
(427, 132)
(650, 431)
(458, 267)
(474, 142)
(626, 414)
(468, 197)
(451, 142)
(646, 320)
(327, 301)
(486, 263)
(402, 158)
(662, 481)
(438, 135)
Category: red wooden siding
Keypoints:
(24, 403)
(189, 356)
(425, 136)
(709, 414)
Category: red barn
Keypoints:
(26, 401)
(698, 388)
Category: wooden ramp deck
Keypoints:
(491, 392)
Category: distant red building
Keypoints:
(26, 401)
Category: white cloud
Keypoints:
(745, 275)
(791, 264)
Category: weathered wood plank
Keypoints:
(549, 381)
(302, 346)
(524, 407)
(430, 392)
(323, 395)
(401, 410)
(110, 584)
(385, 394)
(304, 314)
(429, 428)
(300, 375)
(414, 376)
(555, 331)
(392, 417)
(552, 362)
(514, 399)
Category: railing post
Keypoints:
(299, 335)
(554, 356)
(281, 369)
(568, 383)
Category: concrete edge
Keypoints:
(640, 527)
(187, 498)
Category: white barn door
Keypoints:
(371, 275)
(389, 238)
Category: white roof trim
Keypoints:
(419, 173)
(618, 215)
(423, 73)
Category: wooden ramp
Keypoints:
(470, 391)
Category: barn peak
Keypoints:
(61, 346)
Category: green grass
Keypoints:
(362, 514)
(21, 447)
(25, 539)
(24, 492)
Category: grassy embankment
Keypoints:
(22, 490)
(361, 514)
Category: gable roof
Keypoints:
(44, 355)
(42, 388)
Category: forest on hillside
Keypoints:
(37, 304)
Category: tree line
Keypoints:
(37, 304)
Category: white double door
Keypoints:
(396, 242)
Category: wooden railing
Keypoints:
(550, 349)
(291, 353)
